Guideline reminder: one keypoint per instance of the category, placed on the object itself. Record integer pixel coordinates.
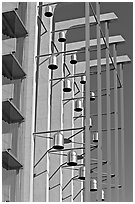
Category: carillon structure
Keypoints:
(63, 128)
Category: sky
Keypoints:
(123, 26)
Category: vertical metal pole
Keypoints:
(72, 145)
(62, 118)
(50, 73)
(36, 85)
(87, 102)
(116, 124)
(99, 175)
(108, 194)
(122, 135)
(83, 124)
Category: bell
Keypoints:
(48, 11)
(92, 96)
(73, 59)
(67, 85)
(58, 141)
(95, 137)
(103, 195)
(62, 37)
(78, 105)
(90, 123)
(83, 79)
(82, 173)
(93, 185)
(72, 158)
(53, 62)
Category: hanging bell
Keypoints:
(82, 173)
(72, 158)
(78, 105)
(53, 62)
(92, 96)
(48, 11)
(90, 123)
(58, 141)
(103, 195)
(95, 137)
(67, 85)
(62, 37)
(73, 59)
(93, 185)
(83, 79)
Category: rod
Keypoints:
(77, 194)
(122, 135)
(62, 119)
(83, 138)
(69, 182)
(57, 170)
(99, 175)
(73, 135)
(73, 126)
(42, 157)
(36, 175)
(58, 130)
(108, 196)
(119, 128)
(87, 105)
(50, 75)
(36, 88)
(116, 125)
(66, 197)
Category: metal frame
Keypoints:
(84, 131)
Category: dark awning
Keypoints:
(10, 113)
(9, 161)
(12, 25)
(11, 68)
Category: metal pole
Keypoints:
(36, 88)
(108, 194)
(122, 135)
(87, 104)
(116, 124)
(99, 176)
(83, 136)
(62, 119)
(50, 73)
(72, 119)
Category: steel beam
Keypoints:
(108, 194)
(87, 105)
(99, 175)
(93, 42)
(116, 125)
(122, 135)
(70, 24)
